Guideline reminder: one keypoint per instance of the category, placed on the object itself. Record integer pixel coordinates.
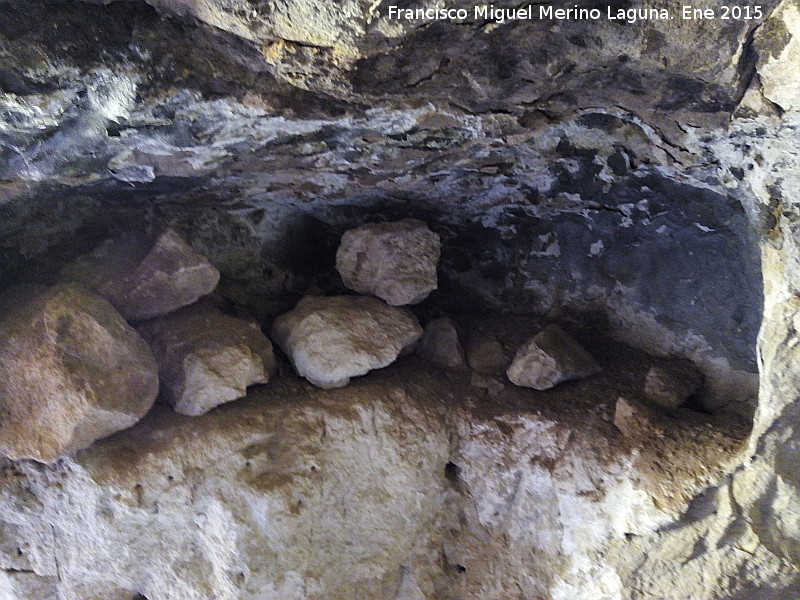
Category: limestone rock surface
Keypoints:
(440, 344)
(779, 49)
(563, 162)
(670, 385)
(550, 357)
(206, 358)
(395, 261)
(400, 481)
(331, 339)
(636, 421)
(71, 371)
(145, 276)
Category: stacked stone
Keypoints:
(87, 357)
(331, 339)
(74, 368)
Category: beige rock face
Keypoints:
(779, 46)
(440, 344)
(206, 358)
(16, 296)
(329, 340)
(394, 261)
(549, 358)
(312, 494)
(71, 371)
(670, 385)
(145, 276)
(636, 420)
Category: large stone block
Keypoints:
(778, 47)
(329, 340)
(394, 261)
(71, 371)
(145, 276)
(206, 358)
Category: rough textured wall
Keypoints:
(622, 174)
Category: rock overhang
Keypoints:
(548, 169)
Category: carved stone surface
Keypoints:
(403, 467)
(638, 175)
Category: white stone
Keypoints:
(778, 43)
(635, 421)
(331, 339)
(206, 358)
(394, 261)
(549, 358)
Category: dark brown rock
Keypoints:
(331, 339)
(440, 344)
(671, 384)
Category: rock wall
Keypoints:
(638, 179)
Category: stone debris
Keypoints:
(440, 344)
(145, 276)
(331, 339)
(672, 384)
(394, 261)
(549, 358)
(636, 421)
(206, 358)
(485, 382)
(71, 371)
(486, 356)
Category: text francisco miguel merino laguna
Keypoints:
(547, 12)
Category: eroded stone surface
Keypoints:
(671, 384)
(636, 421)
(206, 358)
(440, 344)
(331, 339)
(71, 371)
(561, 161)
(145, 276)
(551, 357)
(778, 43)
(394, 261)
(17, 296)
(433, 487)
